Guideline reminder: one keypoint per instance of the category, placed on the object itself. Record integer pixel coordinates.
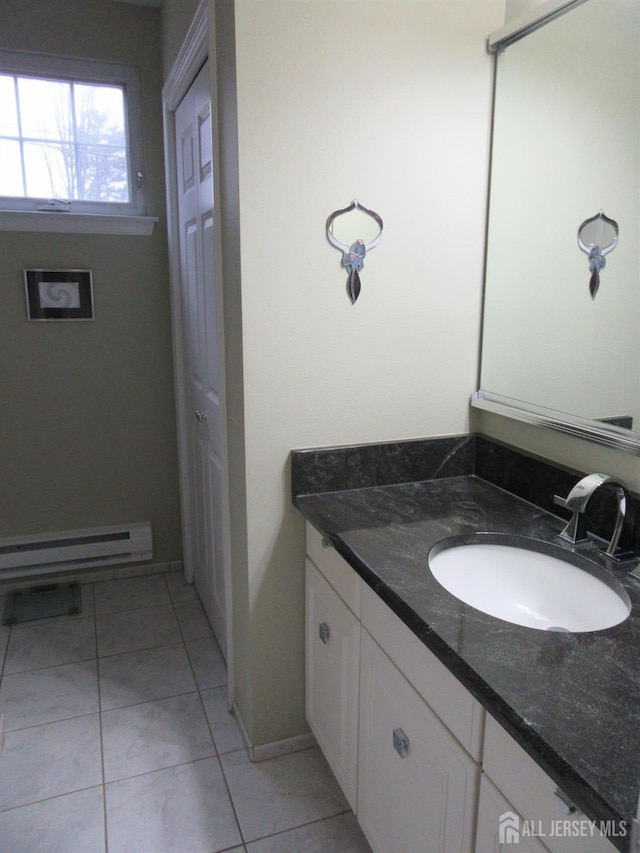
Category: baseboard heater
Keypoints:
(75, 549)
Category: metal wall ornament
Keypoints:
(597, 236)
(353, 255)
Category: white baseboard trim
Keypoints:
(282, 747)
(241, 726)
(272, 750)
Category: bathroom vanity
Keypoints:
(447, 727)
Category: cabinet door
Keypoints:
(447, 698)
(332, 667)
(533, 794)
(495, 813)
(417, 787)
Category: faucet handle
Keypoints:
(574, 530)
(621, 511)
(577, 500)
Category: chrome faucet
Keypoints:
(577, 500)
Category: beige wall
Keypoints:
(176, 19)
(515, 8)
(87, 433)
(390, 102)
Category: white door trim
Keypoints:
(192, 55)
(190, 59)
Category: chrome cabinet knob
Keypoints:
(400, 743)
(200, 416)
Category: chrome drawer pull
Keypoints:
(565, 805)
(400, 743)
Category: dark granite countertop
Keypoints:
(572, 701)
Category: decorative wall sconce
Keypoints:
(353, 254)
(597, 236)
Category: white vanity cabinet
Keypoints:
(421, 764)
(412, 784)
(531, 795)
(332, 651)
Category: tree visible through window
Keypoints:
(63, 139)
(70, 138)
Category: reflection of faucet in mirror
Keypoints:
(577, 500)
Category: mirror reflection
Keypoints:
(566, 145)
(355, 225)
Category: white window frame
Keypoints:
(19, 213)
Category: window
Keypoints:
(70, 136)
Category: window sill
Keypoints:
(76, 223)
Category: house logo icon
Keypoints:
(509, 828)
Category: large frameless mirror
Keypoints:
(565, 180)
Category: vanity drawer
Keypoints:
(499, 827)
(335, 569)
(533, 794)
(453, 704)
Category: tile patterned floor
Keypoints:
(118, 739)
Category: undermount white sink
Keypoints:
(528, 588)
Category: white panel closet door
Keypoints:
(204, 527)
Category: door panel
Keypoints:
(203, 527)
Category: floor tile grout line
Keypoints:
(137, 651)
(209, 725)
(51, 666)
(105, 822)
(207, 720)
(210, 728)
(299, 826)
(143, 773)
(175, 615)
(191, 666)
(123, 607)
(175, 603)
(231, 800)
(191, 692)
(117, 610)
(49, 798)
(52, 722)
(100, 711)
(246, 841)
(141, 649)
(151, 701)
(17, 630)
(78, 716)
